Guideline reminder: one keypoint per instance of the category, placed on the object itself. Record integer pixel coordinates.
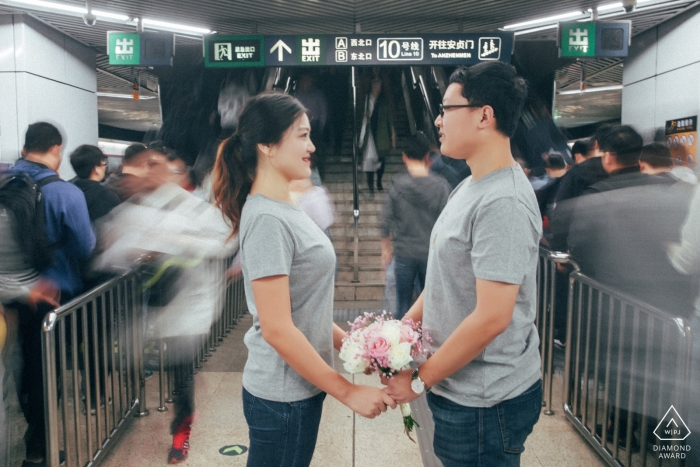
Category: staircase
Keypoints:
(368, 292)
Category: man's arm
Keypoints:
(80, 238)
(495, 302)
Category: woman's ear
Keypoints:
(265, 149)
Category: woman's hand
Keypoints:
(368, 401)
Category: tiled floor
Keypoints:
(345, 440)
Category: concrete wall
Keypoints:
(45, 76)
(661, 76)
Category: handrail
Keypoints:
(355, 189)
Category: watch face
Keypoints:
(418, 386)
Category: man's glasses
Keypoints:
(456, 106)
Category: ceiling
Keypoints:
(324, 16)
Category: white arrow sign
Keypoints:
(280, 46)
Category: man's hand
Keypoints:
(399, 387)
(44, 291)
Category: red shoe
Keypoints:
(181, 442)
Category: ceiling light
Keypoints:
(530, 31)
(52, 5)
(107, 15)
(173, 26)
(123, 96)
(598, 89)
(548, 19)
(610, 6)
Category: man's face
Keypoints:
(458, 125)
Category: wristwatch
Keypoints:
(417, 384)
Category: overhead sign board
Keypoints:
(145, 49)
(233, 51)
(594, 39)
(362, 49)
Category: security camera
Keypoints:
(89, 19)
(629, 5)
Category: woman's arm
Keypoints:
(273, 302)
(416, 311)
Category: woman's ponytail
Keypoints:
(233, 177)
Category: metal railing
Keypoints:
(625, 364)
(94, 378)
(93, 364)
(547, 285)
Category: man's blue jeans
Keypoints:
(406, 270)
(484, 437)
(282, 434)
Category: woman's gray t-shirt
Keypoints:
(490, 230)
(277, 238)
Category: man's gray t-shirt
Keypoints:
(279, 239)
(490, 229)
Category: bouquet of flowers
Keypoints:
(377, 343)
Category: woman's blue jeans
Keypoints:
(282, 434)
(484, 436)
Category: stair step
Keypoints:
(349, 291)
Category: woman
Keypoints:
(377, 135)
(288, 266)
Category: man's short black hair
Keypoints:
(133, 151)
(85, 158)
(40, 137)
(416, 147)
(580, 147)
(554, 161)
(656, 155)
(498, 85)
(600, 133)
(624, 142)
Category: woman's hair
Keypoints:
(264, 120)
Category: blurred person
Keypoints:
(90, 166)
(452, 170)
(611, 239)
(479, 301)
(415, 201)
(581, 150)
(685, 258)
(183, 233)
(315, 201)
(288, 266)
(577, 180)
(656, 160)
(377, 135)
(68, 229)
(555, 167)
(132, 166)
(315, 101)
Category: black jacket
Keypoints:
(100, 200)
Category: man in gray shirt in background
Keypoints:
(416, 199)
(480, 294)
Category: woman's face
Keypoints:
(292, 156)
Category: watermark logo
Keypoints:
(672, 427)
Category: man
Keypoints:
(656, 160)
(480, 293)
(618, 238)
(414, 204)
(90, 166)
(555, 168)
(132, 167)
(581, 150)
(68, 229)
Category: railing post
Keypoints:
(139, 312)
(355, 190)
(48, 344)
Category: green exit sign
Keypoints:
(577, 39)
(124, 48)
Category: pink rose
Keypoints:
(408, 334)
(378, 346)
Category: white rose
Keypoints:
(405, 410)
(400, 356)
(351, 354)
(392, 333)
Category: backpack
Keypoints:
(21, 196)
